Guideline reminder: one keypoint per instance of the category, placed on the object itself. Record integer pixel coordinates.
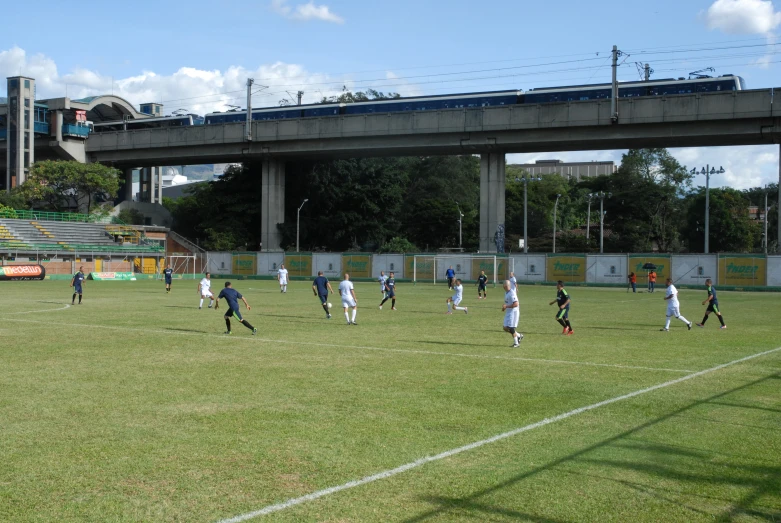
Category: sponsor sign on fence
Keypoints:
(663, 269)
(245, 264)
(357, 265)
(742, 270)
(22, 272)
(100, 276)
(487, 265)
(299, 264)
(570, 267)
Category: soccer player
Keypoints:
(321, 286)
(481, 282)
(563, 301)
(513, 282)
(282, 278)
(76, 282)
(232, 296)
(455, 300)
(713, 305)
(512, 313)
(450, 274)
(390, 292)
(168, 273)
(673, 307)
(347, 292)
(651, 281)
(204, 290)
(382, 280)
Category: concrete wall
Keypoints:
(387, 263)
(606, 268)
(269, 262)
(774, 271)
(220, 263)
(530, 267)
(692, 269)
(329, 263)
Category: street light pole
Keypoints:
(555, 209)
(298, 221)
(766, 212)
(589, 198)
(525, 180)
(460, 220)
(707, 171)
(602, 195)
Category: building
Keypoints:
(575, 170)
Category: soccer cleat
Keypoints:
(689, 325)
(570, 332)
(328, 317)
(355, 323)
(380, 307)
(723, 327)
(210, 306)
(466, 310)
(700, 325)
(199, 308)
(664, 330)
(349, 323)
(565, 330)
(448, 312)
(393, 308)
(516, 344)
(228, 332)
(254, 331)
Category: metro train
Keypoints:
(668, 86)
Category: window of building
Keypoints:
(26, 118)
(26, 140)
(26, 159)
(27, 84)
(13, 83)
(27, 102)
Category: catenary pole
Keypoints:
(250, 81)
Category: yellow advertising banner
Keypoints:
(568, 268)
(663, 268)
(298, 264)
(357, 265)
(742, 270)
(487, 265)
(424, 271)
(245, 264)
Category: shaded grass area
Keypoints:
(134, 407)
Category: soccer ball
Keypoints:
(329, 305)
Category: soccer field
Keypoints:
(134, 406)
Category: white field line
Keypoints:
(360, 347)
(477, 444)
(42, 310)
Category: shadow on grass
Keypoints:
(188, 330)
(666, 463)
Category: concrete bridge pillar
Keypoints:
(272, 202)
(492, 185)
(127, 189)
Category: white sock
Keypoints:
(201, 305)
(448, 306)
(667, 324)
(460, 308)
(211, 302)
(683, 320)
(347, 316)
(355, 311)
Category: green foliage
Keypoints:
(62, 185)
(731, 229)
(398, 245)
(7, 212)
(131, 216)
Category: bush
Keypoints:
(131, 216)
(7, 212)
(398, 245)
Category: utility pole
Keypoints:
(648, 72)
(707, 171)
(555, 208)
(766, 211)
(460, 219)
(602, 195)
(300, 95)
(589, 199)
(526, 179)
(614, 93)
(298, 221)
(250, 81)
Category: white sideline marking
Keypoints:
(428, 459)
(360, 347)
(42, 310)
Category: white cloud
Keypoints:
(743, 16)
(305, 12)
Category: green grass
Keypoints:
(135, 407)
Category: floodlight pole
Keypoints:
(589, 198)
(602, 195)
(250, 81)
(707, 171)
(298, 221)
(555, 209)
(460, 220)
(766, 212)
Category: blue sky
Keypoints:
(197, 54)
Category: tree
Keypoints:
(731, 229)
(61, 185)
(398, 245)
(131, 216)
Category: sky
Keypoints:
(196, 55)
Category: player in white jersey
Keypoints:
(204, 290)
(347, 292)
(282, 278)
(513, 282)
(382, 279)
(455, 300)
(673, 306)
(512, 313)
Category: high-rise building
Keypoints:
(20, 128)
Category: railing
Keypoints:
(78, 247)
(40, 128)
(62, 217)
(74, 130)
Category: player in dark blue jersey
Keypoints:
(76, 282)
(320, 287)
(563, 301)
(481, 281)
(713, 305)
(390, 291)
(232, 297)
(450, 274)
(169, 274)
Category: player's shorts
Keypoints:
(563, 314)
(207, 292)
(323, 298)
(713, 307)
(391, 294)
(168, 281)
(233, 313)
(283, 281)
(673, 311)
(456, 300)
(77, 289)
(480, 287)
(348, 302)
(511, 317)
